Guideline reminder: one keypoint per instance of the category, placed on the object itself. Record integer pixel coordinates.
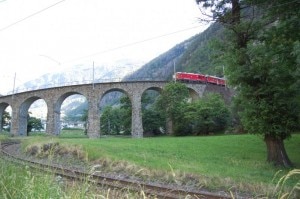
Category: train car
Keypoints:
(190, 77)
(199, 78)
(215, 80)
(211, 80)
(221, 81)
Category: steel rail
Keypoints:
(159, 191)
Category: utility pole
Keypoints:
(93, 75)
(174, 68)
(224, 76)
(14, 85)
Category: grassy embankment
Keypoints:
(19, 181)
(232, 162)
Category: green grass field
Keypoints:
(227, 161)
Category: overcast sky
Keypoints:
(38, 37)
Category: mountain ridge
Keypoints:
(81, 74)
(191, 55)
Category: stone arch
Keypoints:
(64, 96)
(57, 110)
(150, 130)
(3, 107)
(155, 88)
(38, 109)
(193, 95)
(224, 91)
(114, 90)
(23, 114)
(106, 94)
(196, 90)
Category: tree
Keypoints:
(171, 101)
(84, 118)
(5, 119)
(153, 119)
(34, 124)
(208, 114)
(262, 64)
(126, 111)
(112, 122)
(116, 120)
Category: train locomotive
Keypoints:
(199, 78)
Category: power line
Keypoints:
(97, 53)
(132, 44)
(31, 15)
(50, 58)
(153, 38)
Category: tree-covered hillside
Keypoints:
(198, 56)
(192, 55)
(160, 68)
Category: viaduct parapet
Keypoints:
(54, 97)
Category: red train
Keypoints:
(199, 78)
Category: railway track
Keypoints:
(159, 191)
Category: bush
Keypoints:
(204, 116)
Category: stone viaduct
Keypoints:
(54, 97)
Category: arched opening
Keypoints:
(193, 95)
(115, 113)
(5, 118)
(31, 113)
(37, 116)
(71, 115)
(154, 121)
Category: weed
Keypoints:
(52, 150)
(284, 192)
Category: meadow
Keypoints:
(232, 163)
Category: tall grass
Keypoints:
(232, 163)
(21, 182)
(294, 191)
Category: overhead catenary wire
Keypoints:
(55, 4)
(131, 44)
(31, 15)
(96, 53)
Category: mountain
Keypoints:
(82, 74)
(192, 55)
